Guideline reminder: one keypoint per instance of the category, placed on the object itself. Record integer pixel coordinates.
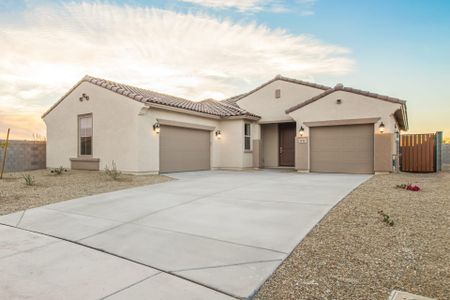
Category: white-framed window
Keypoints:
(85, 135)
(247, 137)
(277, 93)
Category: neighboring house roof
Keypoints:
(233, 100)
(208, 106)
(340, 87)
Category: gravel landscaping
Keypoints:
(353, 254)
(15, 195)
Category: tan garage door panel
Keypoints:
(184, 149)
(343, 149)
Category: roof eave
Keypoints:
(181, 110)
(245, 117)
(64, 96)
(279, 77)
(401, 116)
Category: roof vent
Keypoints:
(339, 86)
(278, 76)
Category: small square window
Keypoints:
(277, 93)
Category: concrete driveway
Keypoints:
(207, 235)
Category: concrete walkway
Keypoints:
(207, 235)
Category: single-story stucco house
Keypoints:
(282, 123)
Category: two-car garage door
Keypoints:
(183, 149)
(342, 149)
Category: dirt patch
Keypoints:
(49, 188)
(353, 254)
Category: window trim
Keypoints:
(79, 138)
(248, 136)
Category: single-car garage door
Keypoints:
(183, 149)
(342, 149)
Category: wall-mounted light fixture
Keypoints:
(219, 134)
(301, 132)
(381, 127)
(156, 128)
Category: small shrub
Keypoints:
(386, 218)
(113, 173)
(58, 171)
(29, 180)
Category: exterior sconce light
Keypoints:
(156, 128)
(301, 131)
(381, 127)
(218, 134)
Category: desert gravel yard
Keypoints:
(50, 188)
(353, 254)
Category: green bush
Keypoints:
(29, 180)
(58, 171)
(386, 218)
(113, 173)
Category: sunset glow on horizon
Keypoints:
(201, 49)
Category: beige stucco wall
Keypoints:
(269, 134)
(264, 104)
(232, 154)
(123, 132)
(149, 140)
(114, 128)
(383, 152)
(353, 106)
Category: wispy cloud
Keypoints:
(254, 6)
(190, 55)
(242, 5)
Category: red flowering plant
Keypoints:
(408, 187)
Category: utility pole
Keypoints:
(5, 149)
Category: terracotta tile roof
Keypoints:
(209, 106)
(340, 87)
(233, 100)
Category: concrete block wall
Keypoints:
(445, 157)
(24, 155)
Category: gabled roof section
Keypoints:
(209, 107)
(403, 121)
(233, 100)
(340, 87)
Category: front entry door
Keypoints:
(286, 149)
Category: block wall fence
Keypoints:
(24, 156)
(445, 157)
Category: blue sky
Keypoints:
(398, 48)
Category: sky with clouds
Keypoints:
(215, 49)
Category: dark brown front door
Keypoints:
(286, 149)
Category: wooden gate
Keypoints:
(417, 152)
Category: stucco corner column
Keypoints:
(302, 150)
(302, 154)
(257, 154)
(384, 149)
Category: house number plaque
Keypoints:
(303, 140)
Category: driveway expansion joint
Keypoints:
(21, 217)
(211, 238)
(157, 211)
(129, 286)
(227, 265)
(128, 259)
